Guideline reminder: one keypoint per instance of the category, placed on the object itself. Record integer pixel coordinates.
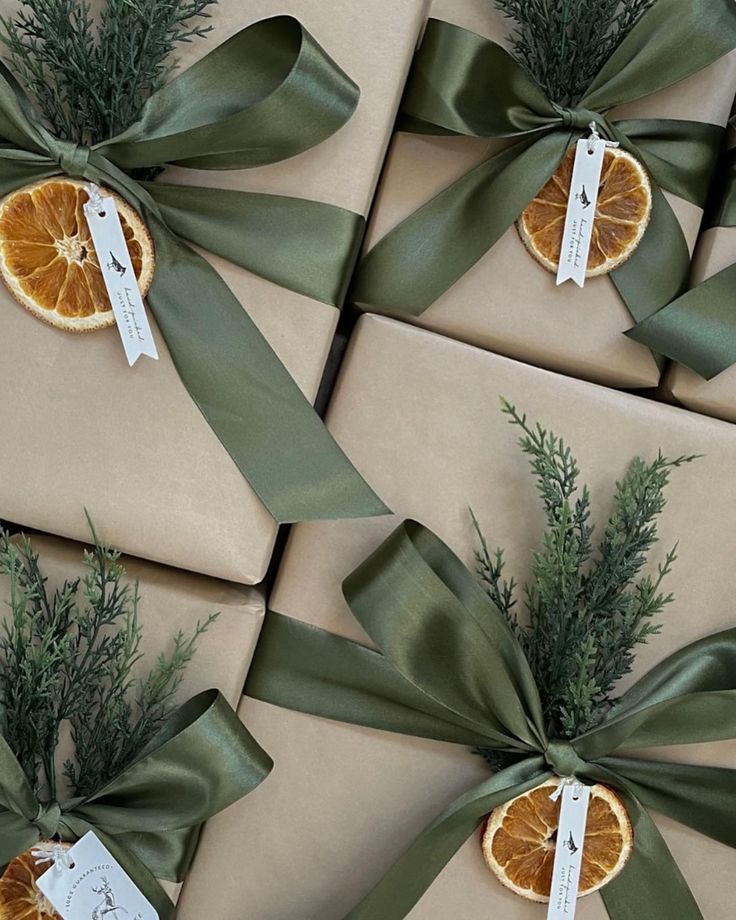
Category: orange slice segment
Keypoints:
(20, 899)
(48, 259)
(520, 838)
(621, 215)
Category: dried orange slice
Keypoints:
(20, 899)
(48, 259)
(621, 215)
(520, 837)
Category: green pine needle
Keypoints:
(564, 43)
(90, 79)
(587, 610)
(70, 656)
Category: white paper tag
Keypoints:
(119, 277)
(586, 177)
(563, 896)
(96, 886)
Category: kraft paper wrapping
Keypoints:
(507, 302)
(717, 397)
(419, 414)
(170, 601)
(80, 428)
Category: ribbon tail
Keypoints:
(651, 885)
(247, 396)
(697, 329)
(700, 797)
(412, 874)
(429, 251)
(305, 246)
(658, 271)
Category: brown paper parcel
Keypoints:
(419, 414)
(81, 428)
(717, 397)
(173, 601)
(507, 302)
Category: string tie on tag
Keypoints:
(48, 818)
(562, 758)
(58, 856)
(596, 138)
(95, 196)
(72, 158)
(565, 781)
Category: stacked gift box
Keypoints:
(403, 389)
(338, 744)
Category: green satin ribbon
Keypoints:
(699, 328)
(450, 669)
(149, 816)
(462, 83)
(268, 93)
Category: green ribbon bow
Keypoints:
(451, 669)
(268, 93)
(149, 816)
(464, 84)
(699, 328)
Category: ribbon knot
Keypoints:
(579, 119)
(48, 818)
(72, 158)
(562, 757)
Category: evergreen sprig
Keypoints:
(564, 43)
(587, 610)
(90, 79)
(69, 657)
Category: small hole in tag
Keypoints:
(71, 865)
(590, 154)
(102, 214)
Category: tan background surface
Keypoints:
(419, 415)
(507, 302)
(717, 397)
(82, 429)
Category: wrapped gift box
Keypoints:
(717, 397)
(83, 429)
(419, 414)
(173, 601)
(507, 302)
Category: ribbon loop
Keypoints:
(562, 757)
(48, 819)
(72, 158)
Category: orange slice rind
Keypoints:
(520, 838)
(49, 262)
(20, 899)
(621, 215)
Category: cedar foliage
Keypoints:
(70, 656)
(564, 43)
(91, 78)
(586, 609)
